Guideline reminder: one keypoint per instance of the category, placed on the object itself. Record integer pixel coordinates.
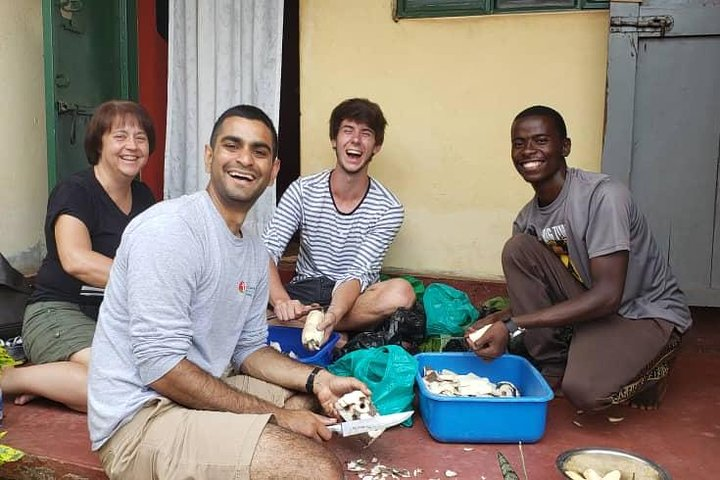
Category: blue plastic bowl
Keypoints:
(481, 419)
(290, 340)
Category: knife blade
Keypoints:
(364, 425)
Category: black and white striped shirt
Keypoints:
(336, 245)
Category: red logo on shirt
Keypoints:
(242, 286)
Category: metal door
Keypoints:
(662, 135)
(89, 48)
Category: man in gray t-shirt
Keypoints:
(186, 298)
(593, 301)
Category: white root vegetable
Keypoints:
(614, 475)
(574, 475)
(353, 405)
(477, 334)
(591, 474)
(312, 338)
(356, 405)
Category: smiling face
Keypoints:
(354, 146)
(539, 151)
(241, 163)
(125, 148)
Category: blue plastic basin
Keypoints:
(290, 340)
(485, 419)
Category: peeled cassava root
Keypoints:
(477, 334)
(356, 406)
(312, 338)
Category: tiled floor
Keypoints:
(683, 435)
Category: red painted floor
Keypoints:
(683, 435)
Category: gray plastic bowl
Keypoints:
(603, 460)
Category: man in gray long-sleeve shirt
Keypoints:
(186, 297)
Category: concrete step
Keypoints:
(55, 441)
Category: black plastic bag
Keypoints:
(14, 292)
(405, 327)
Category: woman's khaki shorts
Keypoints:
(54, 331)
(165, 440)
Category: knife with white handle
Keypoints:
(364, 425)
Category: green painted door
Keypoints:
(90, 57)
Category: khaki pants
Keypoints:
(167, 441)
(603, 355)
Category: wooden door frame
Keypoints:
(620, 100)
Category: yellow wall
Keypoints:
(23, 168)
(450, 89)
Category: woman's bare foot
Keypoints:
(24, 398)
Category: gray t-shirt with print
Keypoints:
(595, 215)
(181, 286)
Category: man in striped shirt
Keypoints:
(347, 221)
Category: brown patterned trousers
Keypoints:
(596, 363)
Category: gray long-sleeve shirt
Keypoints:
(181, 286)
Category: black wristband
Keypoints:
(510, 324)
(513, 328)
(310, 384)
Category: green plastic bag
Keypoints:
(443, 343)
(495, 304)
(452, 343)
(389, 373)
(448, 310)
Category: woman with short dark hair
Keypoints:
(86, 216)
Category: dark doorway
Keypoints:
(289, 128)
(152, 20)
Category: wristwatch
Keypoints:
(513, 328)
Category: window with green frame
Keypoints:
(456, 8)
